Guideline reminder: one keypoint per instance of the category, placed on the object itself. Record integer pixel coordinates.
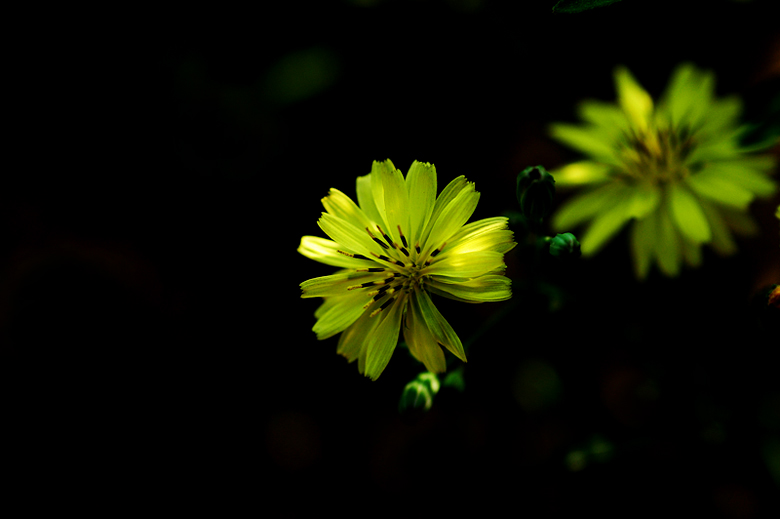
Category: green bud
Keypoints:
(565, 246)
(418, 394)
(535, 193)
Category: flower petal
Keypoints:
(439, 326)
(340, 205)
(609, 222)
(468, 265)
(583, 139)
(345, 311)
(346, 234)
(354, 340)
(421, 191)
(722, 241)
(396, 201)
(688, 215)
(452, 217)
(378, 171)
(582, 172)
(642, 245)
(747, 173)
(421, 342)
(667, 247)
(635, 101)
(384, 340)
(365, 196)
(688, 95)
(608, 118)
(691, 253)
(447, 195)
(327, 252)
(488, 288)
(584, 206)
(482, 235)
(335, 284)
(709, 184)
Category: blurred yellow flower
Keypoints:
(399, 244)
(674, 171)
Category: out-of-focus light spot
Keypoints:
(596, 450)
(300, 75)
(536, 385)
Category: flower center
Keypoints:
(402, 270)
(657, 154)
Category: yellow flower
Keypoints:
(675, 172)
(399, 244)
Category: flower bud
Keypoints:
(565, 246)
(418, 394)
(535, 192)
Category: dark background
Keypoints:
(162, 167)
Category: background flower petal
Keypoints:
(584, 206)
(709, 184)
(582, 172)
(688, 215)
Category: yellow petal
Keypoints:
(580, 173)
(422, 344)
(421, 190)
(635, 101)
(327, 252)
(584, 206)
(688, 215)
(439, 326)
(384, 340)
(488, 288)
(342, 314)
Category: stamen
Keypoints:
(378, 293)
(362, 285)
(380, 242)
(381, 257)
(417, 247)
(437, 251)
(386, 237)
(350, 255)
(434, 254)
(371, 269)
(389, 260)
(403, 238)
(382, 307)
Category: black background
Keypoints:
(156, 353)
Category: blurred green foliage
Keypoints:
(577, 6)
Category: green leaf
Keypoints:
(577, 6)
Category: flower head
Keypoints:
(674, 171)
(396, 246)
